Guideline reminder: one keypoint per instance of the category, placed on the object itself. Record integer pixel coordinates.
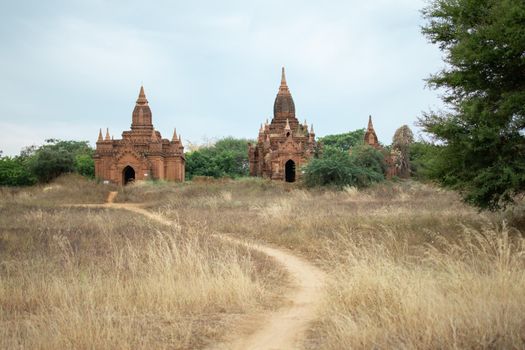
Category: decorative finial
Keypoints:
(283, 77)
(174, 138)
(312, 128)
(100, 139)
(142, 96)
(108, 138)
(370, 125)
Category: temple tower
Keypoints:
(370, 135)
(283, 145)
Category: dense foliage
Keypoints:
(344, 141)
(483, 131)
(227, 157)
(361, 167)
(423, 160)
(46, 162)
(14, 171)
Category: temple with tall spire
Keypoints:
(142, 153)
(370, 135)
(391, 158)
(284, 144)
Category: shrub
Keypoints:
(337, 168)
(227, 157)
(85, 165)
(59, 157)
(344, 141)
(15, 172)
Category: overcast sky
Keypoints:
(209, 68)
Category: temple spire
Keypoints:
(142, 100)
(174, 138)
(370, 125)
(370, 135)
(283, 77)
(108, 138)
(100, 139)
(283, 88)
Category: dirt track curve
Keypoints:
(283, 329)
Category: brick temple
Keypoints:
(283, 145)
(370, 135)
(391, 159)
(141, 154)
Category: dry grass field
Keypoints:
(409, 266)
(78, 278)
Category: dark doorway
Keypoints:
(128, 175)
(289, 171)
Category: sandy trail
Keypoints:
(286, 327)
(282, 329)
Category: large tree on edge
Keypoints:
(482, 131)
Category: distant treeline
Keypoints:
(227, 157)
(46, 162)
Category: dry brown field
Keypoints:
(409, 266)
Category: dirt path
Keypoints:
(286, 327)
(283, 329)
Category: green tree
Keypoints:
(423, 160)
(48, 163)
(227, 157)
(482, 131)
(15, 172)
(84, 165)
(364, 166)
(370, 158)
(344, 141)
(57, 157)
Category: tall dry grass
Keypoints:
(462, 294)
(411, 266)
(95, 278)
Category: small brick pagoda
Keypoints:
(391, 159)
(141, 154)
(284, 145)
(370, 135)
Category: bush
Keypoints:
(15, 172)
(227, 157)
(423, 160)
(364, 166)
(49, 163)
(344, 141)
(85, 165)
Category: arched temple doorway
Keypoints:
(289, 171)
(128, 175)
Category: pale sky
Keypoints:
(210, 68)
